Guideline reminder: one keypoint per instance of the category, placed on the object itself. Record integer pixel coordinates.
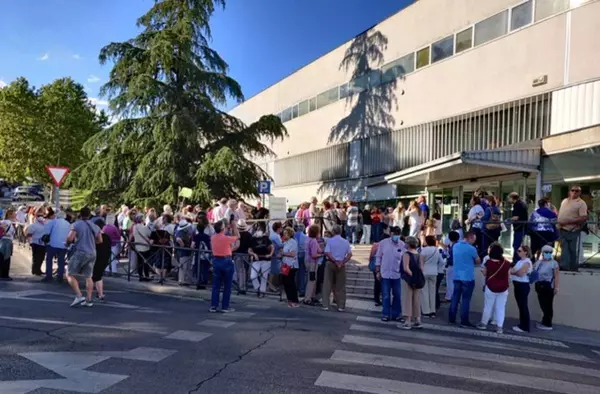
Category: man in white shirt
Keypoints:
(219, 212)
(352, 224)
(338, 252)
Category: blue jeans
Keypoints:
(301, 275)
(462, 289)
(60, 255)
(517, 240)
(202, 273)
(222, 273)
(351, 232)
(393, 286)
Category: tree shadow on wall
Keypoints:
(372, 101)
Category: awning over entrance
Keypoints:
(470, 166)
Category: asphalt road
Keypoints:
(147, 343)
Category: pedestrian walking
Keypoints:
(202, 246)
(431, 260)
(414, 280)
(184, 235)
(338, 252)
(140, 237)
(520, 216)
(474, 219)
(366, 225)
(387, 269)
(352, 215)
(496, 274)
(34, 233)
(222, 265)
(289, 266)
(103, 251)
(372, 268)
(261, 250)
(6, 251)
(572, 215)
(241, 258)
(84, 235)
(464, 257)
(520, 278)
(546, 286)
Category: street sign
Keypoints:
(58, 174)
(264, 187)
(547, 188)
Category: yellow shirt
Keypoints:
(571, 210)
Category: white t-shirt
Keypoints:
(431, 257)
(475, 215)
(518, 266)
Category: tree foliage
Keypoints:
(45, 126)
(167, 86)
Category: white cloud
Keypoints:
(3, 84)
(97, 102)
(76, 56)
(93, 79)
(45, 56)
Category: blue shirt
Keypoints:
(301, 241)
(58, 229)
(277, 245)
(464, 255)
(424, 210)
(541, 219)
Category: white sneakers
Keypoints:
(78, 301)
(81, 301)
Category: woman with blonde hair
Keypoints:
(398, 216)
(415, 219)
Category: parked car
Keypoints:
(28, 193)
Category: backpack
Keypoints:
(417, 279)
(494, 217)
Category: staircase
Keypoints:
(359, 280)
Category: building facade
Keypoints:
(445, 97)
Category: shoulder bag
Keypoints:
(46, 237)
(494, 274)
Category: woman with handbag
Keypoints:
(412, 273)
(289, 266)
(546, 286)
(314, 252)
(496, 273)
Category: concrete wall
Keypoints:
(574, 305)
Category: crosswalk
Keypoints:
(446, 360)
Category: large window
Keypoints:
(522, 15)
(327, 97)
(312, 104)
(464, 40)
(374, 78)
(546, 8)
(344, 91)
(359, 84)
(423, 57)
(303, 108)
(294, 112)
(442, 49)
(491, 28)
(286, 115)
(397, 68)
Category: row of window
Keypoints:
(488, 29)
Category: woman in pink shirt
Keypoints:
(313, 253)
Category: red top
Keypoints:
(497, 275)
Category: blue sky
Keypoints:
(262, 40)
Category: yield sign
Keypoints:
(57, 174)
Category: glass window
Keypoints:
(327, 97)
(303, 108)
(344, 92)
(359, 84)
(522, 15)
(442, 49)
(294, 111)
(491, 28)
(546, 8)
(374, 78)
(464, 40)
(312, 104)
(286, 115)
(397, 68)
(423, 57)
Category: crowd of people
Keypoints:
(304, 257)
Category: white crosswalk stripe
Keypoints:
(476, 333)
(190, 336)
(216, 323)
(471, 362)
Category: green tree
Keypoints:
(45, 126)
(167, 86)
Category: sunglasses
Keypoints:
(576, 190)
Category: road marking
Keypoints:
(72, 367)
(257, 306)
(597, 352)
(469, 341)
(460, 371)
(190, 336)
(367, 384)
(235, 315)
(87, 325)
(473, 332)
(458, 353)
(216, 323)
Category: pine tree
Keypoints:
(166, 89)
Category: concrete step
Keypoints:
(359, 289)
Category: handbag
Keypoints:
(285, 269)
(46, 237)
(535, 275)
